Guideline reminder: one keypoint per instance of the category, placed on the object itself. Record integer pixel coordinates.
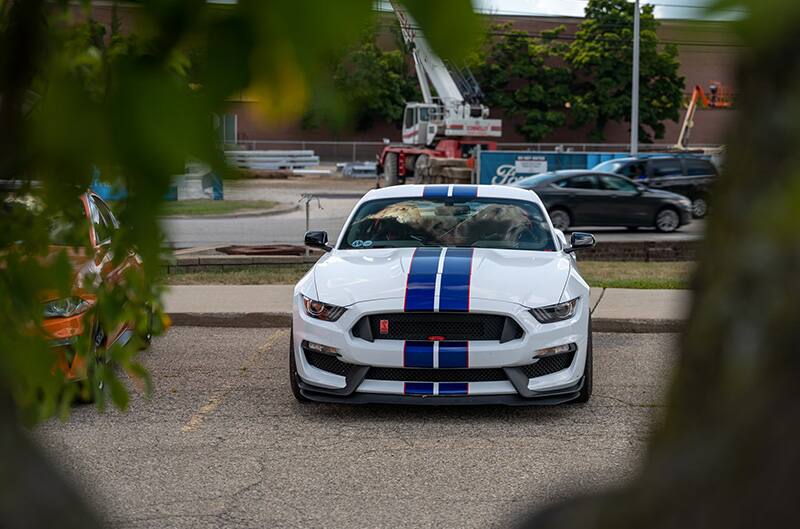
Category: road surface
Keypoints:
(222, 443)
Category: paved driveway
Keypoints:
(222, 443)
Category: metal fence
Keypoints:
(360, 151)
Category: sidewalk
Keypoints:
(613, 309)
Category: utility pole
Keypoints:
(635, 83)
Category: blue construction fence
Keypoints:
(504, 167)
(115, 191)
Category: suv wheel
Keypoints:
(699, 207)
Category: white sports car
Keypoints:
(444, 294)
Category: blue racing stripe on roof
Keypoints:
(421, 282)
(435, 191)
(453, 388)
(418, 388)
(418, 354)
(465, 191)
(453, 354)
(456, 278)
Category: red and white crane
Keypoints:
(440, 133)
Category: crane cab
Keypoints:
(421, 123)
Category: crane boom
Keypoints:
(430, 68)
(455, 109)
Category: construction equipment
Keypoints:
(718, 98)
(441, 133)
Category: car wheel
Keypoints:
(588, 372)
(667, 220)
(699, 207)
(390, 169)
(421, 169)
(293, 376)
(560, 219)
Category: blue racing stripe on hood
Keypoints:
(456, 278)
(421, 282)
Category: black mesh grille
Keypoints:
(452, 326)
(328, 363)
(436, 375)
(548, 365)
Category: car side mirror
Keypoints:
(317, 239)
(641, 188)
(580, 240)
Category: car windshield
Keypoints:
(610, 166)
(66, 228)
(477, 223)
(533, 181)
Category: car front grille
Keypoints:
(444, 325)
(548, 365)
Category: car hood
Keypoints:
(527, 278)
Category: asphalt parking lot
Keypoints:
(222, 443)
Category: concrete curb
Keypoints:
(269, 320)
(277, 210)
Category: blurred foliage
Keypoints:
(526, 78)
(79, 98)
(374, 85)
(601, 60)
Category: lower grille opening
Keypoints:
(328, 363)
(545, 366)
(436, 375)
(548, 365)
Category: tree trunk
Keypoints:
(726, 454)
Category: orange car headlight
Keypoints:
(65, 307)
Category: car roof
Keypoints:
(483, 191)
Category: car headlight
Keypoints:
(65, 307)
(558, 312)
(322, 311)
(685, 202)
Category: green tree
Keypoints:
(377, 83)
(601, 60)
(527, 79)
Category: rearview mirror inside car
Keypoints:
(580, 240)
(317, 239)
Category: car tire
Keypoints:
(294, 377)
(390, 169)
(667, 220)
(588, 371)
(699, 207)
(561, 219)
(421, 169)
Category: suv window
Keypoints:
(579, 182)
(696, 167)
(615, 183)
(666, 168)
(633, 170)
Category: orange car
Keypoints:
(66, 319)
